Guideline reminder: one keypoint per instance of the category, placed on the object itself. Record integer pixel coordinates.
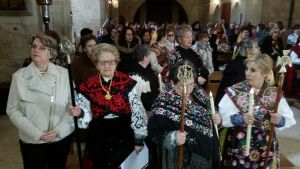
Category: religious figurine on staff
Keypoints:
(198, 138)
(248, 117)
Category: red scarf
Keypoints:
(296, 49)
(121, 85)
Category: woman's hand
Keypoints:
(248, 118)
(201, 80)
(216, 118)
(138, 149)
(49, 136)
(275, 118)
(180, 137)
(75, 111)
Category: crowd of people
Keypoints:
(134, 83)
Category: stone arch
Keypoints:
(184, 5)
(178, 6)
(129, 9)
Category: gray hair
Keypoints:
(245, 44)
(103, 48)
(140, 52)
(182, 29)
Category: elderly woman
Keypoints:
(37, 106)
(234, 107)
(199, 140)
(184, 52)
(112, 111)
(147, 80)
(203, 49)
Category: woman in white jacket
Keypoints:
(38, 106)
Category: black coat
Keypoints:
(233, 73)
(192, 56)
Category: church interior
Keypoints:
(20, 19)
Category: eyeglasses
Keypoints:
(108, 62)
(40, 48)
(169, 35)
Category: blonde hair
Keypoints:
(103, 48)
(263, 61)
(265, 65)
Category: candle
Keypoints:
(249, 126)
(160, 82)
(213, 111)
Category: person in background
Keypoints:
(235, 117)
(272, 44)
(184, 52)
(235, 70)
(38, 97)
(213, 44)
(145, 36)
(202, 48)
(82, 66)
(147, 81)
(292, 78)
(261, 33)
(293, 38)
(243, 35)
(147, 88)
(196, 27)
(126, 44)
(199, 140)
(283, 34)
(109, 107)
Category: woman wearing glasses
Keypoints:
(111, 110)
(37, 106)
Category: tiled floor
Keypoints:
(289, 141)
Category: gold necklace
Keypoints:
(108, 95)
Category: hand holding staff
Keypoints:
(67, 48)
(282, 62)
(185, 72)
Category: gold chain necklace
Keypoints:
(108, 95)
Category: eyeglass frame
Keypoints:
(112, 62)
(40, 48)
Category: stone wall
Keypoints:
(15, 33)
(278, 10)
(86, 13)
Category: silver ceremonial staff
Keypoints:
(67, 48)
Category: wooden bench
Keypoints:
(214, 82)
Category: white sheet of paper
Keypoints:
(137, 161)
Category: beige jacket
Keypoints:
(37, 105)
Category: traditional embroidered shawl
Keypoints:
(121, 85)
(197, 117)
